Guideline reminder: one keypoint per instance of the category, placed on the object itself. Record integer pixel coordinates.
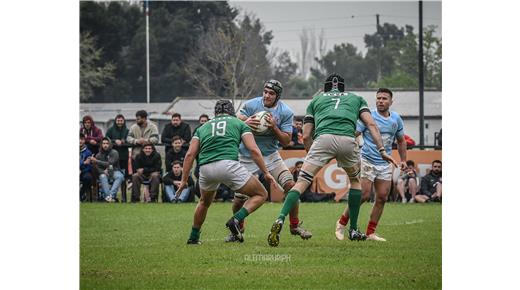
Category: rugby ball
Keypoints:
(262, 128)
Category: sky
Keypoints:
(342, 21)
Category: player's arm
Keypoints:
(308, 132)
(401, 148)
(283, 137)
(193, 151)
(249, 142)
(369, 122)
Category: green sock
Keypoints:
(241, 214)
(290, 200)
(195, 234)
(354, 203)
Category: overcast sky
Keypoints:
(342, 21)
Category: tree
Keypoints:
(93, 74)
(231, 60)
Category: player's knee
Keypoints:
(205, 202)
(288, 185)
(380, 199)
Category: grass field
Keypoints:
(143, 246)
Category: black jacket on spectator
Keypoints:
(150, 163)
(172, 156)
(428, 183)
(169, 132)
(169, 178)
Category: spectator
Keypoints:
(176, 154)
(93, 134)
(202, 120)
(107, 166)
(142, 132)
(118, 134)
(176, 128)
(431, 184)
(407, 183)
(85, 168)
(172, 179)
(147, 167)
(297, 133)
(296, 170)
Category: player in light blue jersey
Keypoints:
(374, 170)
(279, 133)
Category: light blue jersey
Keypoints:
(268, 144)
(390, 128)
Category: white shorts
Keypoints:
(229, 172)
(274, 164)
(327, 147)
(371, 171)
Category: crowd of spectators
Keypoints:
(129, 156)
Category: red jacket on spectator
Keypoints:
(409, 140)
(94, 133)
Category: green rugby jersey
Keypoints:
(336, 113)
(219, 138)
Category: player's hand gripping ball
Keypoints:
(263, 128)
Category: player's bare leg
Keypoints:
(382, 188)
(257, 195)
(304, 181)
(201, 210)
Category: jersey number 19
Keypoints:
(218, 128)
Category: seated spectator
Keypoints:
(172, 179)
(118, 134)
(107, 166)
(93, 134)
(147, 167)
(202, 120)
(85, 169)
(407, 183)
(297, 134)
(296, 170)
(176, 128)
(176, 154)
(431, 184)
(142, 132)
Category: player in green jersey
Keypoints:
(329, 132)
(216, 143)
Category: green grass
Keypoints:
(143, 246)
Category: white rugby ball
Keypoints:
(262, 128)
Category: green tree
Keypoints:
(93, 73)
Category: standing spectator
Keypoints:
(118, 134)
(172, 179)
(176, 128)
(147, 167)
(407, 183)
(143, 131)
(176, 154)
(93, 134)
(431, 184)
(85, 168)
(107, 165)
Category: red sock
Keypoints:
(371, 228)
(343, 220)
(294, 222)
